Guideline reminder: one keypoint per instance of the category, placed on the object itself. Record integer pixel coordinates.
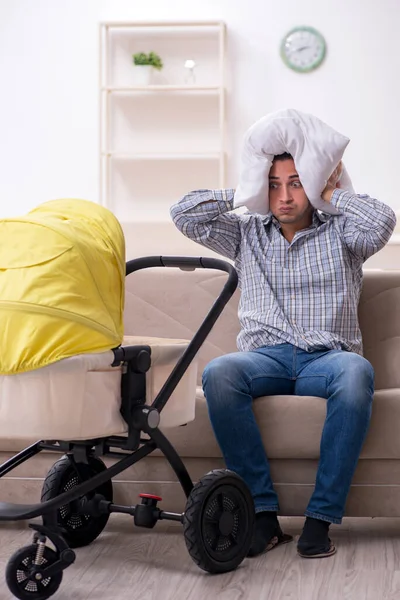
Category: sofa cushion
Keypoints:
(291, 427)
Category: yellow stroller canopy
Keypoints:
(62, 281)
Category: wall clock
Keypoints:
(303, 49)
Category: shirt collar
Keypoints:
(318, 218)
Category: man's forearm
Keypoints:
(206, 217)
(368, 212)
(369, 223)
(202, 206)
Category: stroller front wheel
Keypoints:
(20, 574)
(79, 529)
(219, 521)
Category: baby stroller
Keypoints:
(77, 494)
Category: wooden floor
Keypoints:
(136, 564)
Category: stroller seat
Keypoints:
(79, 398)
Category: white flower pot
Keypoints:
(143, 74)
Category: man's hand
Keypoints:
(333, 183)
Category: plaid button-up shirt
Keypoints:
(305, 292)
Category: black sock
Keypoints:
(315, 538)
(266, 527)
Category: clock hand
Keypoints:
(301, 49)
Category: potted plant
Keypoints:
(145, 63)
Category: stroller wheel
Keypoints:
(218, 522)
(79, 529)
(20, 576)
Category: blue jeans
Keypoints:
(345, 379)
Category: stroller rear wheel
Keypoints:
(79, 529)
(20, 574)
(219, 521)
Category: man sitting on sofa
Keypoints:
(300, 274)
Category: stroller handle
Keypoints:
(186, 263)
(189, 263)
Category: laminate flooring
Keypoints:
(128, 563)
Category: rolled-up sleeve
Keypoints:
(205, 217)
(367, 223)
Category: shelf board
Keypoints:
(164, 25)
(181, 156)
(163, 88)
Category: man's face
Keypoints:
(287, 199)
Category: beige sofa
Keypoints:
(171, 303)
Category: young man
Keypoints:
(300, 274)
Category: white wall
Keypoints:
(49, 85)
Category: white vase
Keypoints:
(143, 74)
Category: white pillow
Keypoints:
(315, 147)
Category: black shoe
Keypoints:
(267, 534)
(314, 542)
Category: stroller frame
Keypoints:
(136, 361)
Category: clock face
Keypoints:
(303, 49)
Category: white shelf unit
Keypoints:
(160, 141)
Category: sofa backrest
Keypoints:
(379, 317)
(167, 302)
